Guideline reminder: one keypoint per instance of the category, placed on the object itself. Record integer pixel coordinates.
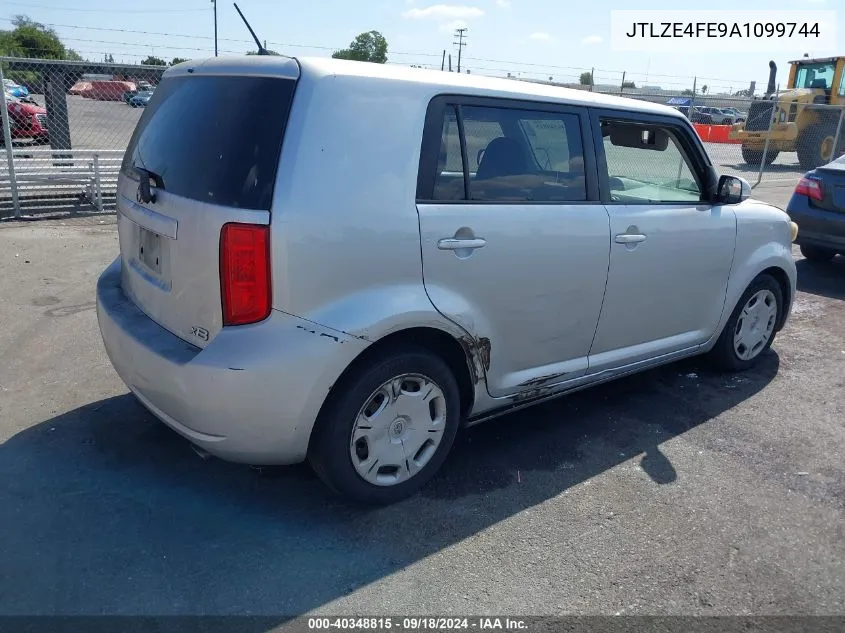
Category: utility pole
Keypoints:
(450, 62)
(214, 2)
(692, 98)
(461, 35)
(443, 61)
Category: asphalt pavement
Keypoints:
(676, 491)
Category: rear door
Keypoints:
(515, 243)
(209, 146)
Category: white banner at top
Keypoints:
(668, 31)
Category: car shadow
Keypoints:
(107, 511)
(823, 279)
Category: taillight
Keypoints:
(245, 273)
(811, 188)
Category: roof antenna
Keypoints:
(261, 49)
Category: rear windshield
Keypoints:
(214, 139)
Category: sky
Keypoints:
(528, 38)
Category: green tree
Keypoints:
(178, 60)
(687, 93)
(704, 89)
(586, 78)
(153, 61)
(33, 39)
(9, 45)
(366, 47)
(629, 84)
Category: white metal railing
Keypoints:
(50, 173)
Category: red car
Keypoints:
(27, 121)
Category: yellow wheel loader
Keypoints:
(804, 118)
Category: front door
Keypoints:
(671, 252)
(515, 242)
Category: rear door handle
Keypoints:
(455, 244)
(629, 238)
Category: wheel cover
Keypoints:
(755, 324)
(398, 430)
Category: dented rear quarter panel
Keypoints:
(345, 231)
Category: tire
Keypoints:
(817, 253)
(754, 156)
(725, 355)
(810, 145)
(343, 465)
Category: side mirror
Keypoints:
(733, 190)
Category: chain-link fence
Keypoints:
(65, 128)
(66, 125)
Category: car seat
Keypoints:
(502, 157)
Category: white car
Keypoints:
(348, 262)
(719, 116)
(738, 115)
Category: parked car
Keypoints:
(14, 89)
(458, 248)
(26, 121)
(738, 115)
(141, 86)
(697, 115)
(729, 116)
(140, 99)
(720, 117)
(818, 204)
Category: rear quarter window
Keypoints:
(214, 139)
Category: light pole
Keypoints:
(214, 2)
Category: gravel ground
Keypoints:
(677, 491)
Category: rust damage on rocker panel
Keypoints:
(539, 381)
(538, 387)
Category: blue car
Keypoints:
(818, 208)
(141, 99)
(14, 89)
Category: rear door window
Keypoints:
(214, 139)
(513, 155)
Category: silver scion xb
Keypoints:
(346, 262)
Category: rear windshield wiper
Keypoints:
(144, 192)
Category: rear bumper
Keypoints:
(817, 227)
(252, 395)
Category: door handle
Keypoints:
(456, 244)
(630, 238)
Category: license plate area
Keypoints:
(150, 250)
